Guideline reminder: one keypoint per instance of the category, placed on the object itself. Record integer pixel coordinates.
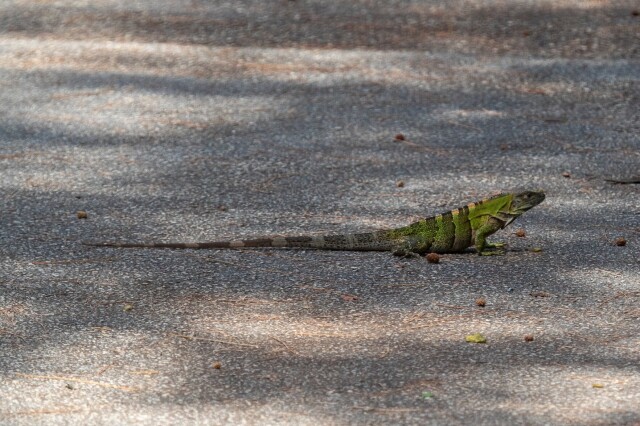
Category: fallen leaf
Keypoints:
(349, 297)
(534, 90)
(476, 338)
(539, 294)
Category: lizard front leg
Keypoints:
(481, 244)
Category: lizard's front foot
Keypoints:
(491, 249)
(495, 245)
(491, 253)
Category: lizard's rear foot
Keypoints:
(491, 253)
(402, 252)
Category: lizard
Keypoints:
(450, 232)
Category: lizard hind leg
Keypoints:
(404, 252)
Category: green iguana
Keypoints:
(450, 232)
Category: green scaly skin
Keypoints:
(450, 232)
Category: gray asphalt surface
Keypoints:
(194, 121)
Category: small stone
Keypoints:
(481, 302)
(81, 214)
(399, 137)
(127, 307)
(520, 233)
(433, 258)
(528, 338)
(217, 365)
(400, 184)
(536, 249)
(621, 242)
(566, 174)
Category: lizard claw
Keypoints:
(491, 253)
(496, 245)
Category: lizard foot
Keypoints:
(402, 252)
(495, 245)
(491, 253)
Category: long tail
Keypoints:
(368, 241)
(258, 242)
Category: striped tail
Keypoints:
(259, 242)
(372, 241)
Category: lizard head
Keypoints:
(525, 200)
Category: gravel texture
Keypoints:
(196, 120)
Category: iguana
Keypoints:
(450, 232)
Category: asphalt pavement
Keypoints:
(192, 121)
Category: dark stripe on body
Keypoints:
(463, 234)
(445, 234)
(432, 229)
